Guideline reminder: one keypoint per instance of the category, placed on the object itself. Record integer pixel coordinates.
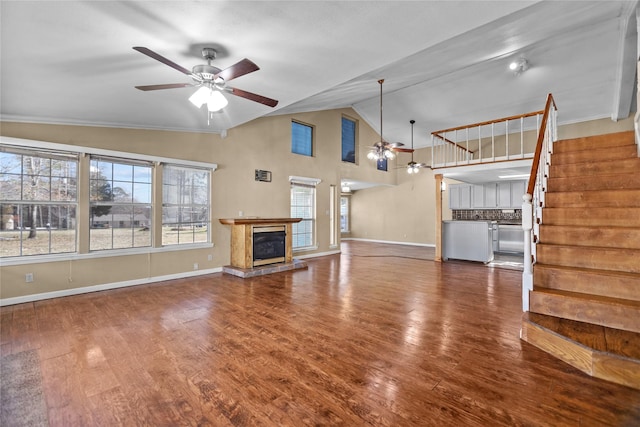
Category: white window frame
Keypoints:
(82, 234)
(312, 183)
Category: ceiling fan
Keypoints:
(412, 166)
(383, 149)
(210, 80)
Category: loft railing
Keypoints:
(508, 138)
(534, 198)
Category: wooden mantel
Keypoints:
(258, 221)
(242, 238)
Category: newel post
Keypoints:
(527, 274)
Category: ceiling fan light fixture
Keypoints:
(216, 101)
(200, 97)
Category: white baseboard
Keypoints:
(104, 287)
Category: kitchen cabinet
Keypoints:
(504, 195)
(467, 240)
(518, 188)
(490, 195)
(460, 196)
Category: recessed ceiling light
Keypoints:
(524, 175)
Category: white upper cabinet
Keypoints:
(490, 195)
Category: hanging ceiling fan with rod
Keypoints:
(413, 166)
(210, 80)
(383, 149)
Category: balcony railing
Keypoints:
(505, 139)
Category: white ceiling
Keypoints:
(444, 63)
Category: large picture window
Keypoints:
(185, 205)
(38, 202)
(120, 204)
(301, 139)
(348, 140)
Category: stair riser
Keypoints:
(625, 317)
(605, 217)
(594, 198)
(631, 165)
(588, 183)
(606, 237)
(587, 282)
(627, 260)
(594, 142)
(594, 156)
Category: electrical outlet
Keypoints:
(210, 257)
(195, 265)
(28, 277)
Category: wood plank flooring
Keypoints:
(378, 336)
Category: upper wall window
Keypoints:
(185, 205)
(348, 140)
(120, 203)
(301, 139)
(38, 202)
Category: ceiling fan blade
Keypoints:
(166, 86)
(162, 59)
(402, 150)
(252, 96)
(238, 69)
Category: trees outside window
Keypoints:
(120, 204)
(38, 201)
(185, 205)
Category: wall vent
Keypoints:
(263, 176)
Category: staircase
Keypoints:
(585, 303)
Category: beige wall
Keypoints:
(401, 209)
(261, 144)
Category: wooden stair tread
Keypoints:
(595, 141)
(590, 236)
(603, 258)
(597, 309)
(600, 338)
(609, 273)
(596, 154)
(612, 182)
(589, 168)
(622, 198)
(588, 297)
(604, 216)
(575, 348)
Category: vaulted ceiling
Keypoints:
(444, 63)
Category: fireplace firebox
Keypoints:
(268, 245)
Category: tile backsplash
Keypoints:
(511, 215)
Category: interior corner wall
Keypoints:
(264, 144)
(402, 213)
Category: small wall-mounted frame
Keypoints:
(263, 176)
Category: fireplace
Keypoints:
(269, 245)
(266, 235)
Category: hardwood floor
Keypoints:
(380, 336)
